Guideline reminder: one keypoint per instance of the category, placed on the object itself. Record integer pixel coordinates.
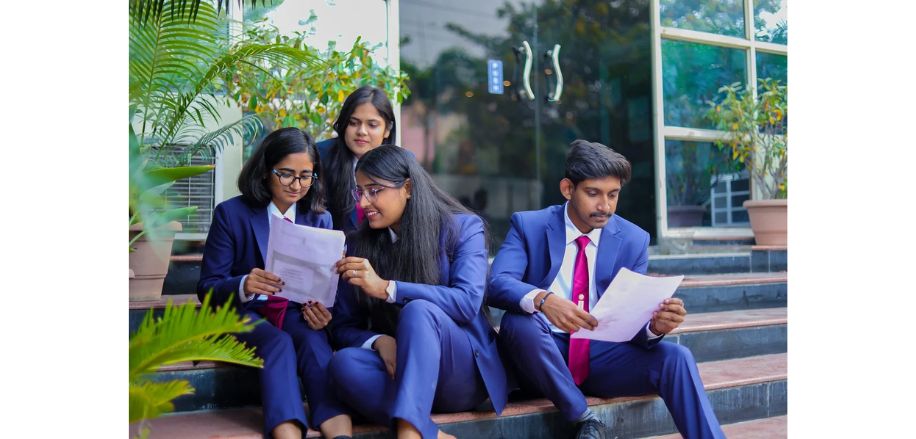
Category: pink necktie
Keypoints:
(578, 347)
(359, 214)
(275, 308)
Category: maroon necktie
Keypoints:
(275, 308)
(578, 347)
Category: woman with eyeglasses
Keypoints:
(366, 121)
(409, 308)
(280, 182)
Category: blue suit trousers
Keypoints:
(539, 358)
(435, 371)
(296, 351)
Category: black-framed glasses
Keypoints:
(287, 179)
(371, 193)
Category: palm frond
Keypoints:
(142, 11)
(265, 54)
(150, 399)
(185, 333)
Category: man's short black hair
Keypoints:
(586, 160)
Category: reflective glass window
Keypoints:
(723, 17)
(770, 65)
(692, 74)
(770, 23)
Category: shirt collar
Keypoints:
(290, 213)
(394, 236)
(572, 232)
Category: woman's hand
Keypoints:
(359, 272)
(262, 282)
(316, 315)
(387, 348)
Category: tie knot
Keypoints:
(582, 241)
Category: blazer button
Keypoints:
(477, 353)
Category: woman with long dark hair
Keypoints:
(366, 121)
(410, 307)
(279, 182)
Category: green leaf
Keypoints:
(148, 400)
(185, 333)
(159, 176)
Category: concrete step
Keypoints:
(739, 390)
(766, 428)
(710, 337)
(728, 292)
(758, 259)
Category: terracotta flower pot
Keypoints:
(769, 220)
(149, 262)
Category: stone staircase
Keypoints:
(736, 328)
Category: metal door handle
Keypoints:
(526, 75)
(554, 55)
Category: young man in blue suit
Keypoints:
(553, 265)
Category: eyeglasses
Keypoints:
(372, 192)
(287, 179)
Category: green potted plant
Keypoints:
(756, 136)
(180, 53)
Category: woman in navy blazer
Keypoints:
(366, 120)
(410, 308)
(279, 180)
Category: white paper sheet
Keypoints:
(627, 305)
(305, 258)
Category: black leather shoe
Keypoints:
(592, 429)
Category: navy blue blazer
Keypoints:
(237, 242)
(532, 254)
(460, 294)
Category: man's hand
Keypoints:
(359, 272)
(387, 348)
(316, 315)
(668, 317)
(564, 314)
(262, 282)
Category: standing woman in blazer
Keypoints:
(280, 180)
(366, 121)
(410, 303)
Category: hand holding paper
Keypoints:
(627, 305)
(305, 257)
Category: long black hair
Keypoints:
(253, 180)
(339, 166)
(428, 214)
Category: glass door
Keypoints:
(498, 91)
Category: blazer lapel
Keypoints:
(607, 255)
(260, 225)
(556, 243)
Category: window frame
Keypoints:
(664, 132)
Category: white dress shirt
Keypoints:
(562, 284)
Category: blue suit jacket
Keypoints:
(532, 254)
(237, 242)
(460, 294)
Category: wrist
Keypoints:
(541, 299)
